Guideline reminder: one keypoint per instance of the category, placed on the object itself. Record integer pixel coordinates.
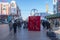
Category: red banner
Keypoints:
(34, 23)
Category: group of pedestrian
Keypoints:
(14, 25)
(56, 23)
(46, 24)
(19, 24)
(25, 24)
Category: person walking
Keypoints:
(10, 25)
(49, 27)
(15, 27)
(44, 24)
(19, 24)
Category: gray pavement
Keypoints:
(57, 31)
(22, 34)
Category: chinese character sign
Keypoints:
(34, 23)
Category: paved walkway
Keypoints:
(57, 31)
(22, 34)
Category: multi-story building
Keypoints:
(4, 8)
(56, 16)
(0, 8)
(13, 8)
(4, 11)
(9, 9)
(56, 6)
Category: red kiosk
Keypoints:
(34, 23)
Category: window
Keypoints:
(12, 4)
(4, 8)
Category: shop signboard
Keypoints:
(34, 23)
(13, 11)
(13, 5)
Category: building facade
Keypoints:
(56, 6)
(13, 8)
(4, 8)
(0, 8)
(9, 9)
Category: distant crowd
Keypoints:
(16, 24)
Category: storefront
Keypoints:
(3, 18)
(54, 19)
